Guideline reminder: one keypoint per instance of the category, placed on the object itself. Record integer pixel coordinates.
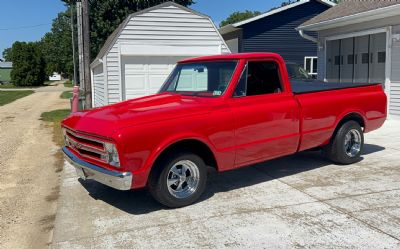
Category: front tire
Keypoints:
(347, 144)
(178, 180)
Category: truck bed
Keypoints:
(299, 87)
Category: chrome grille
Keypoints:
(86, 146)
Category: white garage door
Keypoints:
(145, 75)
(358, 59)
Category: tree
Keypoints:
(106, 15)
(239, 16)
(7, 54)
(57, 46)
(28, 64)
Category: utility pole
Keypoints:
(86, 54)
(73, 42)
(80, 44)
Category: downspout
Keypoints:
(307, 37)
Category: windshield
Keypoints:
(297, 72)
(208, 79)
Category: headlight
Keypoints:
(111, 155)
(66, 140)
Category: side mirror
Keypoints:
(200, 69)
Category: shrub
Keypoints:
(28, 64)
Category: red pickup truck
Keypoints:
(223, 111)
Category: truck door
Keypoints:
(266, 115)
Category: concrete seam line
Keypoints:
(186, 221)
(337, 209)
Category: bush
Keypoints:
(68, 83)
(66, 95)
(28, 64)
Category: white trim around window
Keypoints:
(311, 69)
(358, 33)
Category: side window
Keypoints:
(259, 77)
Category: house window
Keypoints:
(337, 60)
(382, 57)
(364, 58)
(311, 65)
(350, 59)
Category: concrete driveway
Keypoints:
(296, 201)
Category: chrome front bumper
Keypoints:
(114, 179)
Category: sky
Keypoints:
(29, 20)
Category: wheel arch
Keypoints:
(195, 145)
(351, 116)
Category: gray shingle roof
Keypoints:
(349, 7)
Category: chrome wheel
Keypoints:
(352, 143)
(183, 179)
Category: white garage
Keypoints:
(359, 41)
(140, 54)
(144, 75)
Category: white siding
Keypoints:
(98, 86)
(113, 75)
(168, 26)
(394, 105)
(172, 26)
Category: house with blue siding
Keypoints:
(275, 31)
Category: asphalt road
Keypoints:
(296, 201)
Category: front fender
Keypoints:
(171, 140)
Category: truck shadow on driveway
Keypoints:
(140, 201)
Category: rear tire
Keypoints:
(178, 180)
(347, 144)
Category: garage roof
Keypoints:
(351, 9)
(114, 35)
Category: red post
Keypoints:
(75, 99)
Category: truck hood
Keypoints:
(104, 121)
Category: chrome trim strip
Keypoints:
(85, 137)
(80, 145)
(114, 179)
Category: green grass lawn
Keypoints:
(55, 116)
(12, 86)
(9, 96)
(66, 95)
(8, 86)
(68, 84)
